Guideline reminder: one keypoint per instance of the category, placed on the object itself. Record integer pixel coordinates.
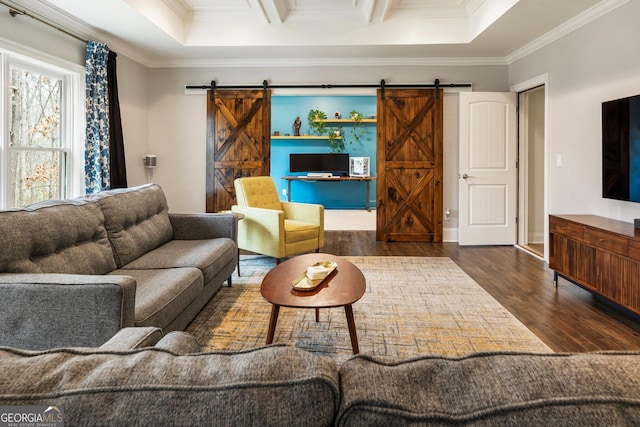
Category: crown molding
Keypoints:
(568, 27)
(327, 62)
(178, 7)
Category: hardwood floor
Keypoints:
(571, 320)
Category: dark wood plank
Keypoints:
(571, 320)
(238, 142)
(409, 165)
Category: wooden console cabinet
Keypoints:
(599, 254)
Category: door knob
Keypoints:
(465, 176)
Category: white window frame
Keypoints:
(72, 115)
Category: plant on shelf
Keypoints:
(336, 143)
(316, 120)
(357, 130)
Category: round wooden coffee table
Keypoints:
(341, 288)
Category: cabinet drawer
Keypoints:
(566, 228)
(634, 249)
(606, 241)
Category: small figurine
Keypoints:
(337, 115)
(296, 126)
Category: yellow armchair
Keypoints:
(272, 227)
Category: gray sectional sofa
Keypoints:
(172, 384)
(75, 272)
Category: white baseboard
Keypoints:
(535, 237)
(450, 235)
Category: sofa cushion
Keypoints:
(179, 342)
(132, 338)
(162, 294)
(210, 256)
(56, 237)
(136, 219)
(270, 386)
(492, 389)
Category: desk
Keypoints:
(366, 179)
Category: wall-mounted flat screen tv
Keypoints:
(335, 164)
(621, 149)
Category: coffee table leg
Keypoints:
(272, 322)
(352, 328)
(317, 315)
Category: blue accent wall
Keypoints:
(332, 195)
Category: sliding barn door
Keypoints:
(409, 165)
(238, 141)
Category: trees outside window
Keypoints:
(38, 154)
(41, 148)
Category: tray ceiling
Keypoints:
(203, 32)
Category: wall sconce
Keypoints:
(150, 161)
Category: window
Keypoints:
(42, 150)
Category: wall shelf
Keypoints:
(304, 137)
(347, 121)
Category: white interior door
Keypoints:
(487, 168)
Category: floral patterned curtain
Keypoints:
(96, 157)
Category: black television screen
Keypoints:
(336, 164)
(621, 149)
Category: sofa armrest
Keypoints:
(179, 342)
(306, 212)
(133, 338)
(269, 219)
(204, 226)
(41, 311)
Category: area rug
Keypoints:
(412, 306)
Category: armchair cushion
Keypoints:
(297, 231)
(258, 192)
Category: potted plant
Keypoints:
(357, 130)
(335, 140)
(316, 119)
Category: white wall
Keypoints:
(133, 92)
(25, 33)
(595, 63)
(450, 155)
(535, 169)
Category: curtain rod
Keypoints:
(265, 85)
(13, 11)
